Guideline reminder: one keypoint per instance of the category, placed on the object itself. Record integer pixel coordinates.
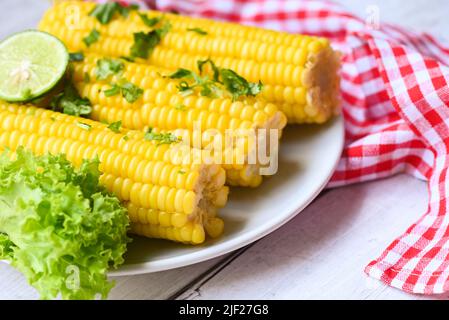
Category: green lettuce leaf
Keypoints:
(58, 226)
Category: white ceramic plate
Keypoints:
(308, 157)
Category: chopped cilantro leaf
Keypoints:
(162, 31)
(84, 126)
(129, 59)
(108, 67)
(181, 73)
(125, 10)
(115, 126)
(215, 69)
(161, 138)
(113, 91)
(150, 22)
(145, 42)
(76, 56)
(197, 30)
(237, 85)
(129, 91)
(207, 87)
(105, 12)
(93, 37)
(255, 88)
(71, 103)
(223, 80)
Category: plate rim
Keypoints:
(237, 243)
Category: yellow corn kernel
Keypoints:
(215, 227)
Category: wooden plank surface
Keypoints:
(323, 251)
(319, 254)
(160, 285)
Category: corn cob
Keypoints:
(242, 175)
(158, 109)
(166, 198)
(300, 73)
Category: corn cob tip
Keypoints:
(322, 80)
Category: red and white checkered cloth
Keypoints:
(396, 109)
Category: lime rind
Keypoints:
(31, 64)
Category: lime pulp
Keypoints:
(31, 64)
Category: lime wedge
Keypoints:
(31, 64)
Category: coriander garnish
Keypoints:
(115, 126)
(71, 103)
(202, 63)
(150, 22)
(239, 86)
(126, 138)
(108, 67)
(182, 172)
(105, 12)
(185, 89)
(84, 126)
(76, 57)
(208, 88)
(129, 59)
(197, 30)
(161, 138)
(222, 80)
(182, 73)
(129, 91)
(144, 43)
(113, 91)
(93, 37)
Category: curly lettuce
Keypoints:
(58, 226)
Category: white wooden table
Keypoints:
(321, 253)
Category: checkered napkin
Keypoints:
(396, 109)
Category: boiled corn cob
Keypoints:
(158, 108)
(166, 198)
(299, 73)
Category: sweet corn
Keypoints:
(243, 175)
(299, 73)
(166, 198)
(159, 109)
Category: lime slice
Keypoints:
(31, 64)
